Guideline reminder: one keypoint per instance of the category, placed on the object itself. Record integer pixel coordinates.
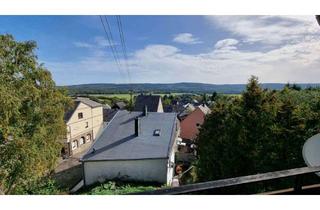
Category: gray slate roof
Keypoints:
(88, 102)
(151, 101)
(118, 142)
(108, 114)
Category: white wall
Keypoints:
(153, 170)
(170, 170)
(160, 106)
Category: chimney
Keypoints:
(145, 110)
(136, 126)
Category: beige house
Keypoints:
(84, 122)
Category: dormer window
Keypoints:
(80, 115)
(157, 132)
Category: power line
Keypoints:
(111, 43)
(123, 45)
(112, 40)
(124, 51)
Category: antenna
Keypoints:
(310, 151)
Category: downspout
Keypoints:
(93, 137)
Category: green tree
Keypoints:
(204, 98)
(214, 96)
(261, 131)
(31, 117)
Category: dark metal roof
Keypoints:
(151, 101)
(119, 105)
(118, 142)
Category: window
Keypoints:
(82, 141)
(87, 124)
(157, 132)
(74, 144)
(88, 137)
(80, 115)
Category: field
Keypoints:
(127, 95)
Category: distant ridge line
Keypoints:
(184, 87)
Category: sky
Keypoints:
(169, 49)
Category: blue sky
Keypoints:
(208, 49)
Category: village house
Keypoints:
(119, 105)
(191, 123)
(108, 114)
(186, 110)
(84, 122)
(153, 102)
(135, 146)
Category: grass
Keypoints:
(235, 95)
(127, 95)
(118, 188)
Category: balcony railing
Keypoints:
(298, 173)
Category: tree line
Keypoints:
(261, 131)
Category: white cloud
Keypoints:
(83, 45)
(226, 44)
(157, 51)
(164, 63)
(267, 29)
(290, 55)
(186, 38)
(97, 42)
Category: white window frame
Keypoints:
(74, 144)
(88, 138)
(82, 141)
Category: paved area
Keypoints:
(65, 164)
(69, 171)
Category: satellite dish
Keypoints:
(311, 151)
(318, 19)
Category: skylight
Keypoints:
(157, 132)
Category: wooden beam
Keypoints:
(232, 181)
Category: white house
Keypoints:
(136, 146)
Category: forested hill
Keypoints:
(171, 87)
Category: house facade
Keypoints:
(192, 122)
(84, 122)
(135, 146)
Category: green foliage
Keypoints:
(119, 188)
(44, 186)
(214, 96)
(261, 131)
(31, 117)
